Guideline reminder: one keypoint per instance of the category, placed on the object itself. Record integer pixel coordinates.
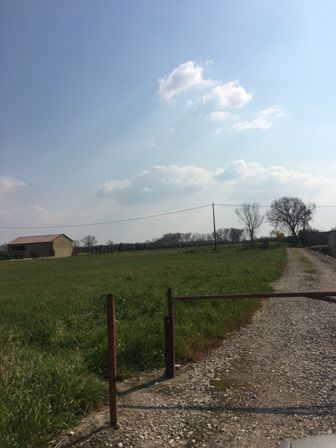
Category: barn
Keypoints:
(58, 245)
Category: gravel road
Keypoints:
(272, 380)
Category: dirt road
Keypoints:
(272, 380)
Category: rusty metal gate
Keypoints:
(324, 296)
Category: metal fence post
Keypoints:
(169, 337)
(111, 359)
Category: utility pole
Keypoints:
(214, 226)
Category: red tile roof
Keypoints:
(37, 239)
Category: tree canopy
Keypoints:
(89, 241)
(291, 214)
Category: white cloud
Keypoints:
(115, 185)
(159, 182)
(182, 78)
(9, 184)
(263, 120)
(238, 181)
(229, 95)
(240, 169)
(189, 74)
(218, 97)
(256, 182)
(219, 116)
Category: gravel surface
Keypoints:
(274, 379)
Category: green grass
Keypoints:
(53, 325)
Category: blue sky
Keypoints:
(120, 109)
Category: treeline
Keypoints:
(230, 235)
(168, 240)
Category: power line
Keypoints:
(115, 221)
(138, 218)
(268, 206)
(237, 205)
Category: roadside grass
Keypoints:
(53, 325)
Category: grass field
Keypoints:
(53, 325)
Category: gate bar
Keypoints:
(325, 296)
(319, 295)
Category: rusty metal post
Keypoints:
(112, 359)
(166, 341)
(169, 337)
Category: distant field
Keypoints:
(53, 325)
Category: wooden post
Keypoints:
(111, 359)
(169, 337)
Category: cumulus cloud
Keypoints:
(263, 120)
(182, 78)
(115, 185)
(257, 182)
(229, 95)
(9, 184)
(159, 182)
(239, 180)
(218, 97)
(189, 74)
(240, 169)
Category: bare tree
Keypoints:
(227, 235)
(291, 215)
(89, 241)
(251, 216)
(223, 235)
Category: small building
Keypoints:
(58, 245)
(316, 238)
(332, 242)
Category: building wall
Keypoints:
(62, 247)
(332, 242)
(33, 250)
(317, 238)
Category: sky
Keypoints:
(113, 110)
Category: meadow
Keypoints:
(53, 325)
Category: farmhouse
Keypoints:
(58, 245)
